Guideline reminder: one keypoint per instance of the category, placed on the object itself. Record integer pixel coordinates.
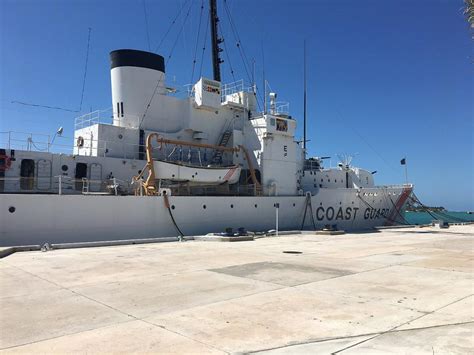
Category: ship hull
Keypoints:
(37, 219)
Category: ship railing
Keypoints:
(67, 185)
(282, 108)
(189, 90)
(29, 141)
(234, 87)
(64, 185)
(94, 117)
(396, 186)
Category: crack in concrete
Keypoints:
(373, 334)
(398, 326)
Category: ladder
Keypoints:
(217, 157)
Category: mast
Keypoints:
(304, 97)
(215, 40)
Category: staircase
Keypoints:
(217, 158)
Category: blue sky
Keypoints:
(386, 79)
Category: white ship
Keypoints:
(156, 165)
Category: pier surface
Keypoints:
(396, 290)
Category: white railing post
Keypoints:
(115, 185)
(60, 185)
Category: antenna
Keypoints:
(304, 97)
(264, 82)
(253, 75)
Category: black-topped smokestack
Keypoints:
(136, 58)
(135, 77)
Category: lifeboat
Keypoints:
(196, 175)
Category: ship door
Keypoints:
(81, 172)
(43, 175)
(27, 174)
(95, 177)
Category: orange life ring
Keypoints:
(7, 162)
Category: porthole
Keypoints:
(231, 206)
(120, 136)
(294, 205)
(204, 206)
(64, 167)
(255, 205)
(11, 209)
(173, 207)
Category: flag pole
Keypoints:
(406, 172)
(404, 162)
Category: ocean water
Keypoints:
(448, 216)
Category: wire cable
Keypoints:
(180, 31)
(341, 117)
(43, 106)
(146, 26)
(82, 91)
(204, 44)
(227, 53)
(85, 68)
(388, 218)
(162, 76)
(171, 26)
(434, 213)
(197, 41)
(238, 41)
(168, 207)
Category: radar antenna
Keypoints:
(346, 159)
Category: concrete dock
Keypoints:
(404, 290)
